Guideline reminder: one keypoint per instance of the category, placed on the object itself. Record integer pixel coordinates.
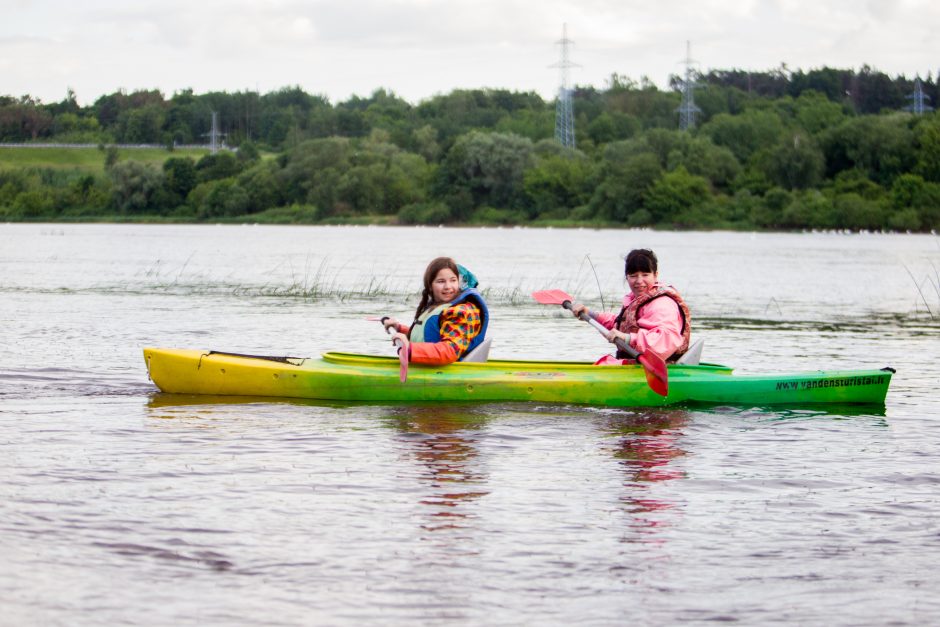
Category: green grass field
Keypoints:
(86, 159)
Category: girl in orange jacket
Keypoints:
(450, 320)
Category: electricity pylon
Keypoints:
(687, 109)
(214, 135)
(919, 100)
(564, 108)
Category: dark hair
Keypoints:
(430, 274)
(641, 260)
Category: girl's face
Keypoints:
(446, 286)
(641, 282)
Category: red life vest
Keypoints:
(626, 319)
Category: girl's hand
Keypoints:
(578, 308)
(400, 337)
(614, 334)
(388, 322)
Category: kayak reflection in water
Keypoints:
(445, 441)
(647, 445)
(451, 318)
(653, 317)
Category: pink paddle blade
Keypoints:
(403, 369)
(552, 297)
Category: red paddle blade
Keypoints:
(552, 297)
(656, 374)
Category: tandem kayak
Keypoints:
(362, 378)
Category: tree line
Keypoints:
(823, 149)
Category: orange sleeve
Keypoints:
(432, 353)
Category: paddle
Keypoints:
(402, 349)
(653, 365)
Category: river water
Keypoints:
(121, 505)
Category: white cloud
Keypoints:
(422, 47)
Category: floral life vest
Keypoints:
(626, 321)
(428, 326)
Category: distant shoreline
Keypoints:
(366, 221)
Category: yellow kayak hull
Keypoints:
(363, 378)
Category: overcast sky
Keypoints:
(418, 48)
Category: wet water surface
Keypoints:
(121, 505)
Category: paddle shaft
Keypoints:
(402, 351)
(626, 348)
(657, 376)
(391, 331)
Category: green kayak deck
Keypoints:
(363, 378)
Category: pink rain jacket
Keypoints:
(659, 322)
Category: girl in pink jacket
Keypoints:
(653, 317)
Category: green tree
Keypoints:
(625, 181)
(311, 172)
(179, 176)
(425, 143)
(915, 203)
(674, 193)
(133, 185)
(247, 153)
(220, 165)
(433, 212)
(72, 125)
(490, 167)
(854, 212)
(557, 184)
(643, 100)
(462, 111)
(873, 92)
(111, 156)
(880, 146)
(809, 209)
(140, 125)
(222, 198)
(815, 113)
(531, 123)
(796, 163)
(927, 136)
(385, 110)
(263, 187)
(830, 82)
(23, 119)
(744, 134)
(856, 182)
(612, 126)
(700, 156)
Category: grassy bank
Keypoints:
(87, 160)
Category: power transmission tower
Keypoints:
(564, 109)
(687, 109)
(919, 99)
(215, 136)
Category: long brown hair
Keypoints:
(430, 274)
